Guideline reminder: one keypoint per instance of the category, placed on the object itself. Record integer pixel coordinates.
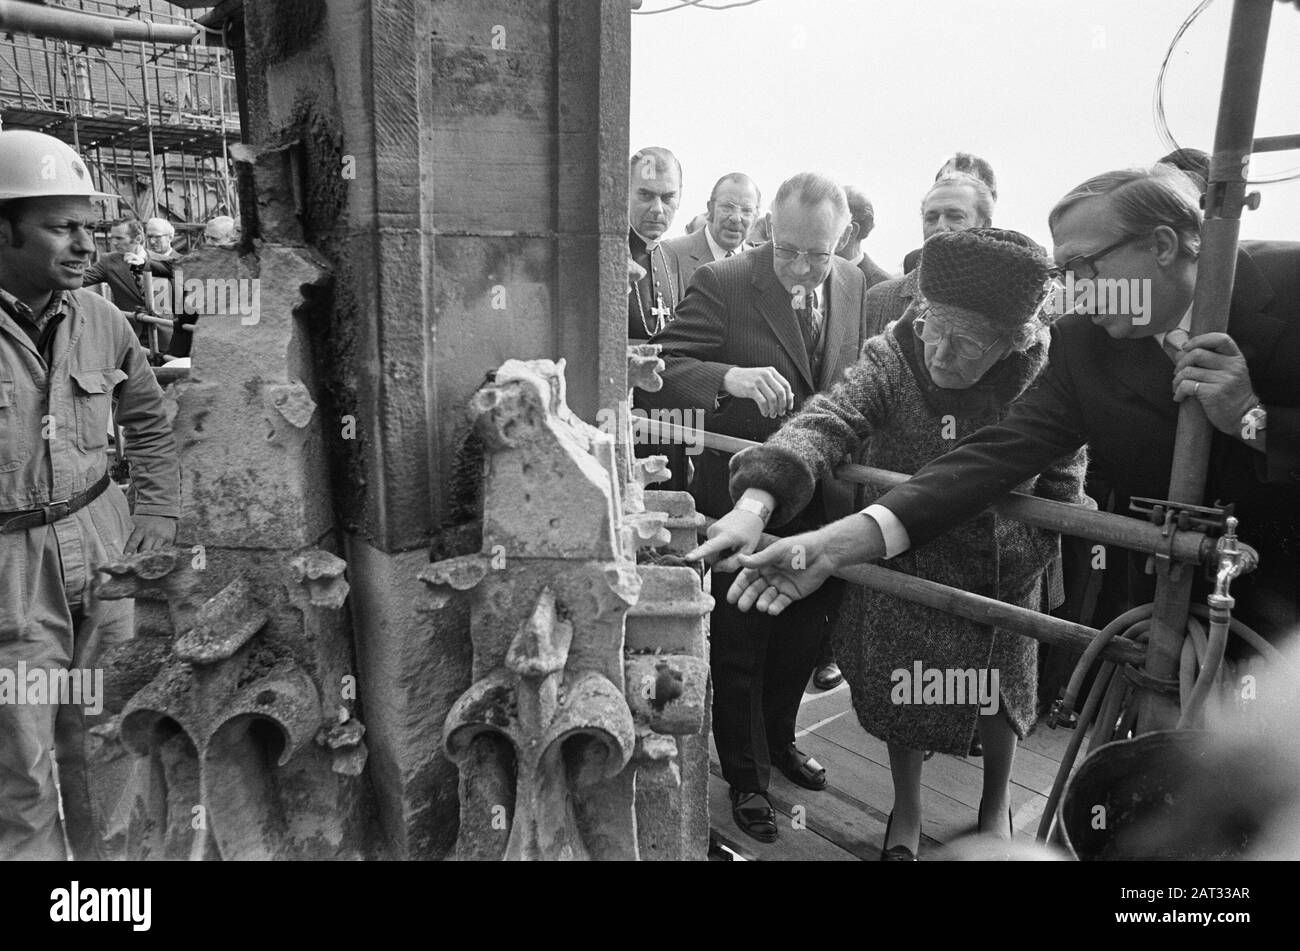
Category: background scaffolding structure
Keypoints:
(153, 122)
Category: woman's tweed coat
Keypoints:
(887, 397)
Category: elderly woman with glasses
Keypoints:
(970, 345)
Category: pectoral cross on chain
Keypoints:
(661, 312)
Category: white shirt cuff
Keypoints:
(891, 529)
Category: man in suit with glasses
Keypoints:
(755, 336)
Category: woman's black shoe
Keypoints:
(979, 820)
(895, 853)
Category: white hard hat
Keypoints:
(35, 165)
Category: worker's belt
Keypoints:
(28, 518)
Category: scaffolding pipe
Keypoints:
(148, 125)
(1185, 545)
(982, 610)
(1225, 196)
(88, 29)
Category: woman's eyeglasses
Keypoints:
(932, 332)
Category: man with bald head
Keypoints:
(732, 210)
(654, 192)
(755, 336)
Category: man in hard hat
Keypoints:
(65, 354)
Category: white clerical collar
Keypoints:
(650, 243)
(1185, 325)
(719, 252)
(857, 258)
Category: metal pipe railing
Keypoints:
(982, 610)
(1183, 545)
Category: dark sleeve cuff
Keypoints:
(1280, 463)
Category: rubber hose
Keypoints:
(1104, 684)
(1120, 624)
(1209, 668)
(1246, 634)
(1048, 819)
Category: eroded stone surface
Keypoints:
(224, 624)
(550, 597)
(293, 402)
(321, 573)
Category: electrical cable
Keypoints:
(1158, 103)
(694, 3)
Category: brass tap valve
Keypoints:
(1235, 558)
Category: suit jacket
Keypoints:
(1115, 395)
(692, 252)
(736, 313)
(112, 269)
(889, 300)
(872, 271)
(662, 264)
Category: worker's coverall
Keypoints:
(54, 421)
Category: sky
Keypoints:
(878, 93)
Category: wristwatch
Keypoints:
(756, 507)
(1255, 419)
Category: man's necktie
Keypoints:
(1174, 341)
(810, 325)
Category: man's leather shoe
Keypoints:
(800, 768)
(754, 815)
(828, 677)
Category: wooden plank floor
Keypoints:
(846, 821)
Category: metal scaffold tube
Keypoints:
(1216, 269)
(88, 28)
(1184, 545)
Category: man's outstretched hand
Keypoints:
(793, 568)
(782, 573)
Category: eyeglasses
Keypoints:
(817, 258)
(931, 332)
(1077, 264)
(731, 208)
